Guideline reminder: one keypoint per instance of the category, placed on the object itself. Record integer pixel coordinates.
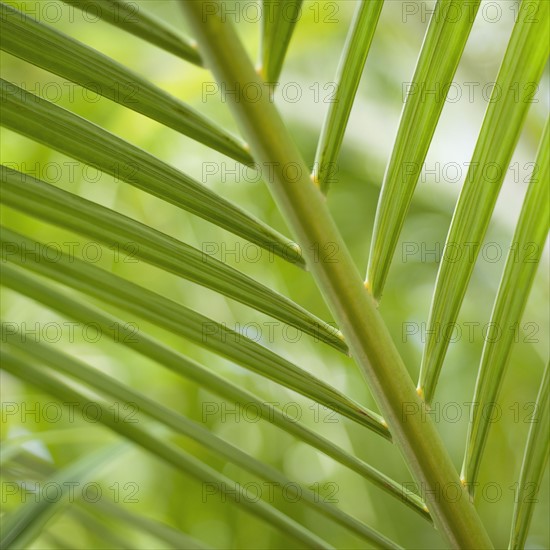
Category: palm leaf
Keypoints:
(130, 17)
(522, 66)
(279, 20)
(181, 365)
(107, 386)
(60, 54)
(156, 445)
(46, 202)
(185, 322)
(304, 207)
(348, 77)
(441, 52)
(521, 266)
(534, 463)
(70, 287)
(74, 136)
(22, 526)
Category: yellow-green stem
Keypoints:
(305, 210)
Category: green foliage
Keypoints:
(522, 66)
(183, 354)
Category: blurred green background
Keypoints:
(175, 498)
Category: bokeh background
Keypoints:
(303, 93)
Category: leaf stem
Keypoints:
(305, 210)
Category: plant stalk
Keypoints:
(304, 208)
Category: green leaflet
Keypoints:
(348, 78)
(22, 526)
(444, 43)
(165, 533)
(91, 516)
(58, 53)
(67, 210)
(74, 136)
(182, 321)
(19, 281)
(534, 463)
(160, 448)
(108, 386)
(521, 70)
(130, 17)
(278, 22)
(517, 279)
(108, 533)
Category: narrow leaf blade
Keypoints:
(279, 20)
(58, 53)
(74, 136)
(130, 17)
(348, 78)
(185, 322)
(521, 68)
(534, 463)
(521, 266)
(444, 43)
(46, 202)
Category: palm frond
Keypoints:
(74, 136)
(51, 282)
(348, 78)
(184, 322)
(278, 22)
(521, 266)
(534, 463)
(131, 18)
(60, 54)
(439, 58)
(48, 203)
(522, 66)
